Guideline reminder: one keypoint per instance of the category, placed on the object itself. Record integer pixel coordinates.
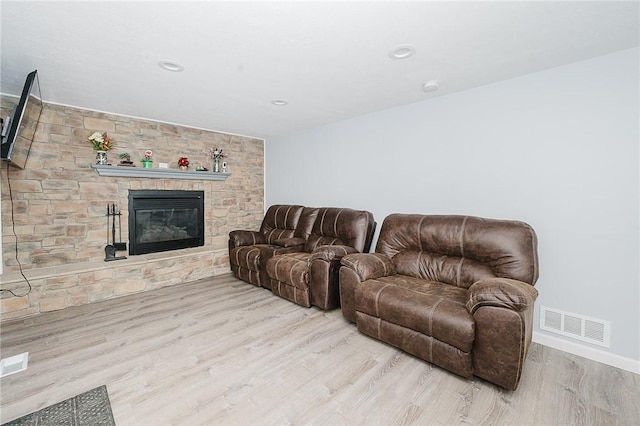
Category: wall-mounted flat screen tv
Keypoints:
(19, 128)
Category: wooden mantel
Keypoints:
(141, 172)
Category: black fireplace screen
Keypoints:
(165, 220)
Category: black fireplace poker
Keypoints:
(111, 249)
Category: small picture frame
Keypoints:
(224, 167)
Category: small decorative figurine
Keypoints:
(183, 163)
(147, 161)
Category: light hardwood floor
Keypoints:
(220, 351)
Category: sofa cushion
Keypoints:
(453, 270)
(246, 257)
(289, 277)
(369, 265)
(503, 293)
(289, 242)
(241, 237)
(316, 241)
(418, 344)
(432, 308)
(459, 250)
(290, 268)
(331, 253)
(280, 221)
(341, 226)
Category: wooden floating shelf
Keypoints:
(141, 172)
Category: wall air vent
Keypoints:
(579, 327)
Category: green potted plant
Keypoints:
(125, 159)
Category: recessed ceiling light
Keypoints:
(171, 66)
(403, 51)
(431, 86)
(279, 102)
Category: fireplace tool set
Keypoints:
(111, 249)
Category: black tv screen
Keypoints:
(21, 127)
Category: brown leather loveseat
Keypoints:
(310, 276)
(306, 245)
(456, 291)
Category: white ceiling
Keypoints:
(329, 60)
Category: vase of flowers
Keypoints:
(101, 144)
(147, 161)
(216, 154)
(101, 158)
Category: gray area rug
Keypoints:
(89, 408)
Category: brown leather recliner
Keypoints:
(310, 276)
(456, 291)
(284, 228)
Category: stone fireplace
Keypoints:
(57, 209)
(163, 220)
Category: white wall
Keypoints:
(557, 149)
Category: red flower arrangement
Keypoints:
(183, 162)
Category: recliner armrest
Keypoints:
(290, 242)
(240, 237)
(369, 265)
(331, 252)
(501, 292)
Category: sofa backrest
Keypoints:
(459, 250)
(280, 221)
(305, 224)
(353, 228)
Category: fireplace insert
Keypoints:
(162, 220)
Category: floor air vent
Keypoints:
(14, 364)
(579, 327)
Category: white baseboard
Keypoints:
(628, 364)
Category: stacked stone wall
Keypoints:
(57, 208)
